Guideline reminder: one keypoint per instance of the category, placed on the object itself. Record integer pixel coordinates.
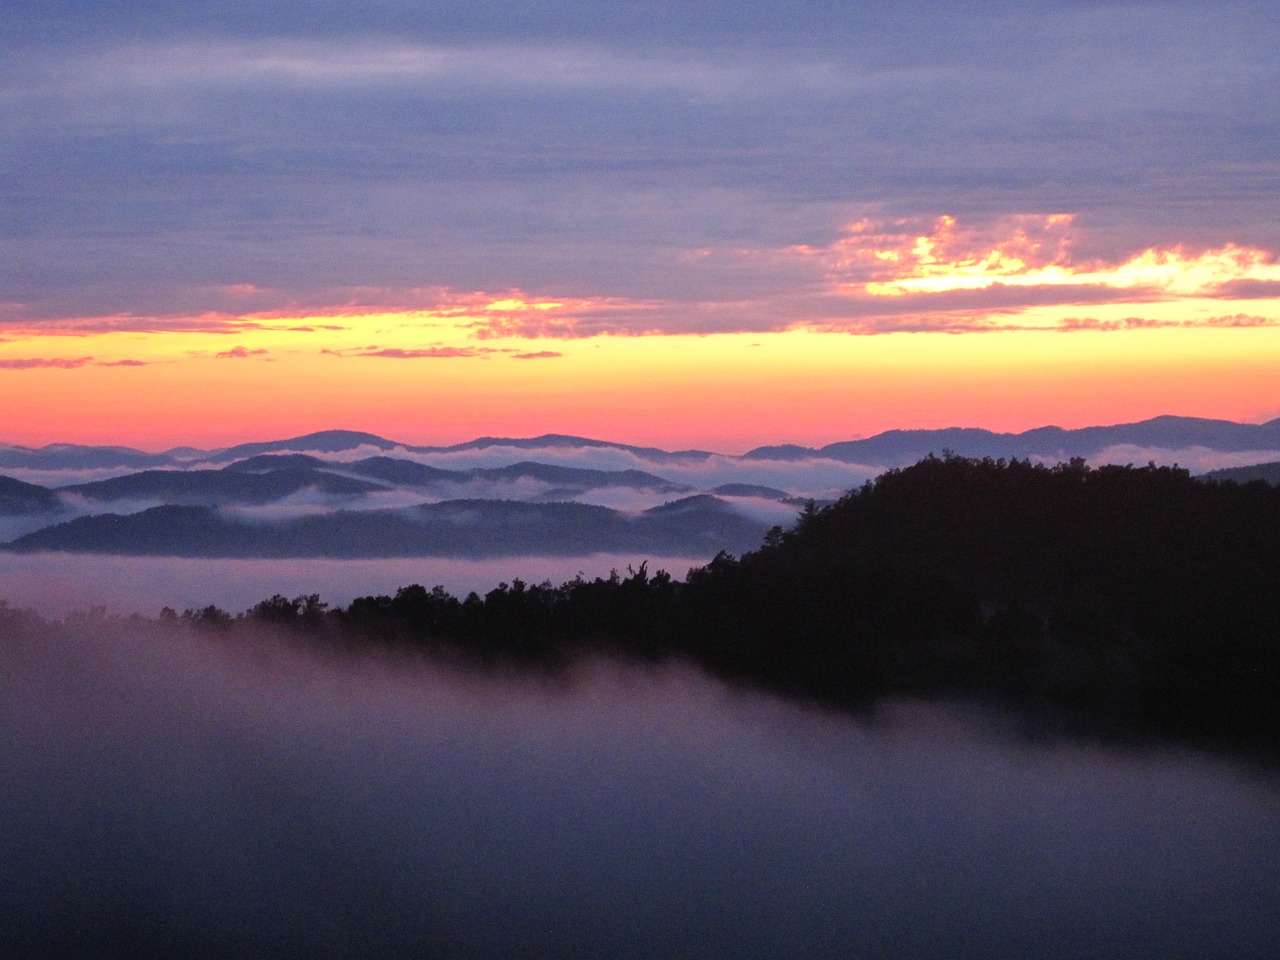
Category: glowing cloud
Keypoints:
(1022, 251)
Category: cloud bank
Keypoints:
(208, 798)
(222, 165)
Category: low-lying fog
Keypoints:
(176, 795)
(53, 584)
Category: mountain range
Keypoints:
(343, 493)
(888, 449)
(456, 528)
(900, 447)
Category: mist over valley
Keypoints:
(177, 793)
(351, 494)
(587, 700)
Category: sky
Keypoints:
(713, 224)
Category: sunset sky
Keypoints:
(714, 224)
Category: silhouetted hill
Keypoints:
(70, 456)
(1266, 472)
(323, 441)
(461, 528)
(265, 462)
(395, 470)
(550, 441)
(17, 498)
(900, 447)
(1139, 593)
(580, 477)
(214, 487)
(1127, 602)
(749, 490)
(891, 448)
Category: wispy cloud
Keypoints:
(964, 322)
(899, 259)
(1071, 324)
(80, 326)
(64, 363)
(426, 353)
(38, 363)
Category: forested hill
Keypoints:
(1135, 601)
(1135, 592)
(1137, 597)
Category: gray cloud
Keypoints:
(567, 152)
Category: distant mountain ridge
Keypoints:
(888, 449)
(1266, 472)
(900, 447)
(454, 528)
(323, 494)
(207, 487)
(17, 498)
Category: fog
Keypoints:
(1195, 459)
(55, 583)
(173, 794)
(816, 477)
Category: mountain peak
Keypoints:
(322, 441)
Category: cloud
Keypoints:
(38, 363)
(239, 353)
(1240, 320)
(540, 355)
(214, 167)
(905, 258)
(1007, 321)
(428, 353)
(78, 326)
(1196, 459)
(374, 66)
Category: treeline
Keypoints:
(1136, 601)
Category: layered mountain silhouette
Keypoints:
(350, 493)
(899, 447)
(18, 498)
(890, 448)
(1266, 472)
(210, 487)
(456, 528)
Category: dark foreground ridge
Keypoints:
(1134, 602)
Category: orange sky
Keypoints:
(712, 225)
(726, 392)
(1160, 334)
